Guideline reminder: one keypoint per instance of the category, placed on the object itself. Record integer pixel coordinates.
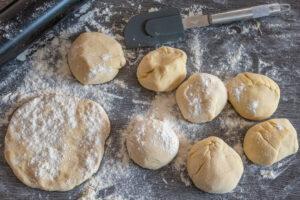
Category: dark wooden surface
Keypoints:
(278, 46)
(4, 3)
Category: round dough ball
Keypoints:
(214, 166)
(56, 142)
(152, 143)
(270, 141)
(95, 58)
(201, 98)
(163, 69)
(253, 96)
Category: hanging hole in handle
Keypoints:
(285, 7)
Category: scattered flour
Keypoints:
(163, 136)
(196, 51)
(153, 9)
(22, 56)
(237, 92)
(49, 73)
(253, 105)
(237, 56)
(120, 83)
(85, 8)
(268, 174)
(195, 9)
(100, 69)
(197, 93)
(42, 125)
(279, 126)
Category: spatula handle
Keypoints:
(248, 13)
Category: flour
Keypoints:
(140, 102)
(152, 132)
(198, 93)
(42, 127)
(194, 101)
(102, 68)
(153, 9)
(47, 71)
(236, 57)
(50, 74)
(237, 92)
(253, 105)
(196, 51)
(105, 57)
(164, 107)
(121, 84)
(279, 126)
(87, 21)
(22, 56)
(195, 9)
(85, 7)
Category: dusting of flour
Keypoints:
(45, 71)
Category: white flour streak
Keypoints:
(253, 105)
(48, 72)
(237, 92)
(196, 51)
(236, 57)
(153, 9)
(279, 126)
(22, 56)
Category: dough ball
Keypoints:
(151, 143)
(95, 58)
(214, 166)
(253, 96)
(270, 141)
(201, 98)
(163, 69)
(56, 142)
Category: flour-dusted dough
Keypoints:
(253, 96)
(163, 69)
(201, 98)
(151, 143)
(95, 58)
(56, 142)
(214, 166)
(270, 141)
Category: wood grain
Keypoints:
(4, 3)
(276, 43)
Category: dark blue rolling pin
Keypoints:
(10, 48)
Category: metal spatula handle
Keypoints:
(248, 13)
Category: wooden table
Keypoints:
(269, 46)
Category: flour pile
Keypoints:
(44, 69)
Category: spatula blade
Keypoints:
(137, 33)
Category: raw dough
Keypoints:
(201, 98)
(151, 143)
(163, 69)
(270, 141)
(214, 166)
(95, 58)
(253, 96)
(56, 142)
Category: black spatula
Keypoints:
(166, 26)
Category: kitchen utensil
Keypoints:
(166, 26)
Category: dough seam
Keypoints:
(264, 139)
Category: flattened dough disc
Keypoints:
(56, 142)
